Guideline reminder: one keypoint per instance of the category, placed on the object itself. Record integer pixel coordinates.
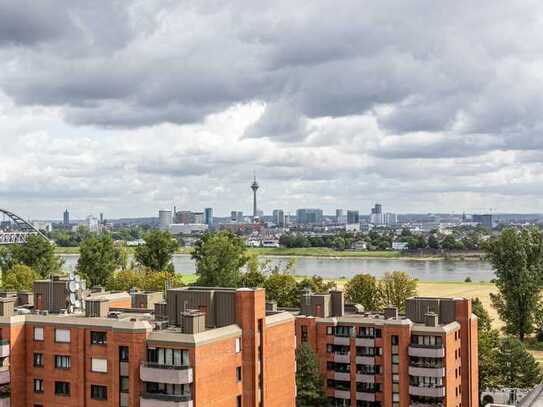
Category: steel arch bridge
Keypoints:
(24, 230)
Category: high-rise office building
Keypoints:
(484, 220)
(66, 218)
(200, 347)
(309, 216)
(390, 219)
(376, 216)
(353, 217)
(427, 357)
(208, 216)
(236, 216)
(279, 217)
(339, 216)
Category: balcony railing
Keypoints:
(159, 373)
(156, 365)
(4, 342)
(167, 397)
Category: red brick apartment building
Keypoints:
(427, 358)
(201, 347)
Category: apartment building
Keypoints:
(425, 358)
(200, 347)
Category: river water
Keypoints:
(425, 270)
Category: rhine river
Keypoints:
(330, 267)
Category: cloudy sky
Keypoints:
(124, 107)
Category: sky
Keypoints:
(129, 106)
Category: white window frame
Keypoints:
(99, 365)
(62, 335)
(238, 345)
(38, 334)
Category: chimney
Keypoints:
(431, 319)
(25, 298)
(391, 312)
(193, 321)
(161, 311)
(96, 307)
(338, 303)
(7, 306)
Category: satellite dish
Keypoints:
(72, 298)
(77, 304)
(72, 286)
(71, 276)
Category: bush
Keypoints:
(467, 280)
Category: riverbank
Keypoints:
(322, 252)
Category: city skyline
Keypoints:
(124, 108)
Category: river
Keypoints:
(425, 270)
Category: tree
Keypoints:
(98, 259)
(516, 366)
(489, 375)
(363, 289)
(309, 381)
(316, 284)
(283, 289)
(157, 251)
(450, 243)
(219, 258)
(19, 277)
(142, 278)
(517, 257)
(396, 288)
(484, 319)
(253, 277)
(433, 242)
(37, 253)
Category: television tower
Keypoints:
(254, 187)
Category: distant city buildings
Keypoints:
(236, 216)
(353, 217)
(309, 216)
(189, 217)
(165, 218)
(279, 218)
(254, 187)
(93, 224)
(208, 216)
(66, 218)
(340, 218)
(485, 220)
(376, 215)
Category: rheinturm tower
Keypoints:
(254, 187)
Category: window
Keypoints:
(98, 365)
(167, 356)
(38, 334)
(38, 359)
(123, 353)
(62, 362)
(62, 335)
(62, 388)
(98, 392)
(238, 373)
(38, 385)
(239, 401)
(329, 330)
(343, 330)
(395, 339)
(123, 384)
(98, 338)
(238, 345)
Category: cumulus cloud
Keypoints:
(128, 105)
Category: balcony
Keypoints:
(165, 400)
(427, 371)
(365, 360)
(157, 373)
(427, 391)
(4, 375)
(342, 394)
(342, 376)
(363, 396)
(369, 342)
(342, 340)
(365, 378)
(4, 348)
(342, 358)
(426, 405)
(426, 351)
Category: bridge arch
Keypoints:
(20, 236)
